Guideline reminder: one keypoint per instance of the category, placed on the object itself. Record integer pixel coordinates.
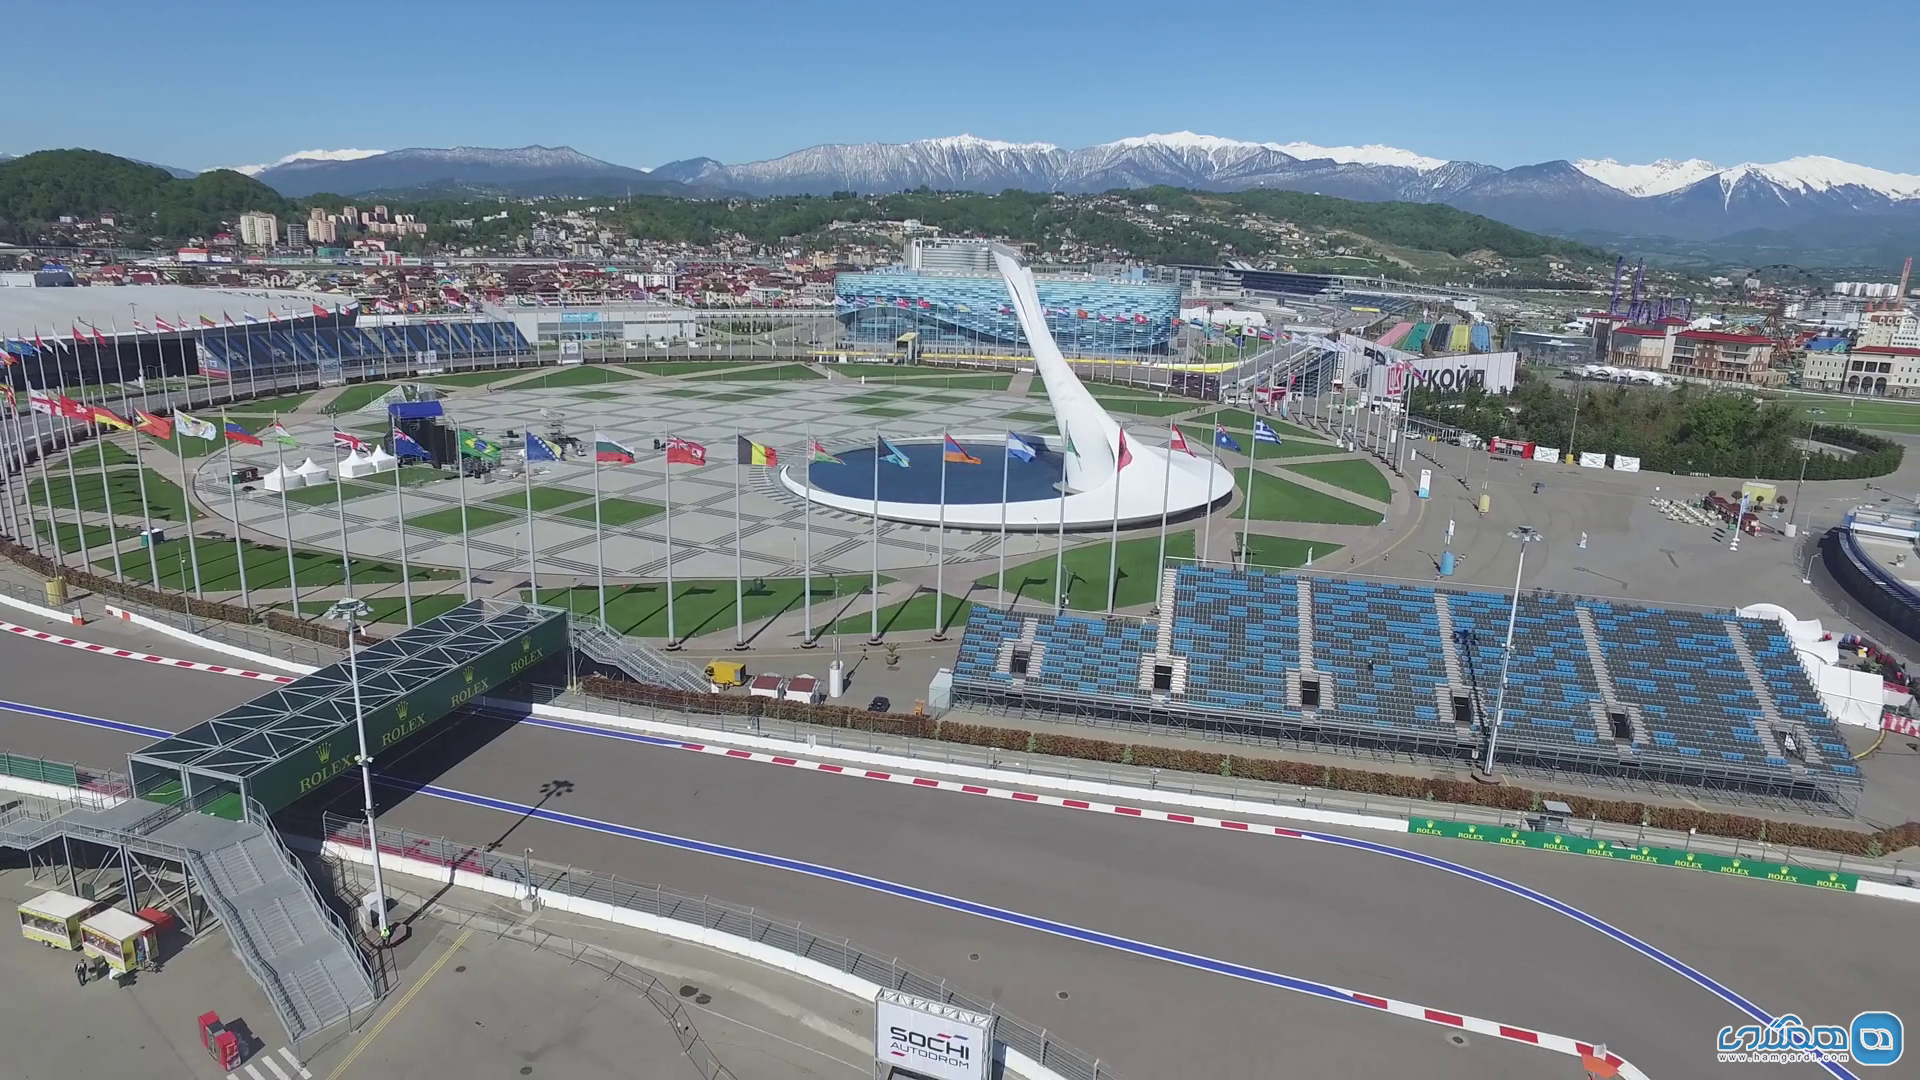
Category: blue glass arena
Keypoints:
(1085, 315)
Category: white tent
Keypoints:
(383, 461)
(312, 474)
(1848, 695)
(358, 464)
(283, 479)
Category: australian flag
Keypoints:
(404, 446)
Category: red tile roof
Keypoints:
(1725, 338)
(1887, 350)
(1639, 331)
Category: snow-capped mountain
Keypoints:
(303, 155)
(463, 167)
(1656, 179)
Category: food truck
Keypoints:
(53, 919)
(124, 942)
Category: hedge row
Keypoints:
(1277, 770)
(106, 586)
(282, 622)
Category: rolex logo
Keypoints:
(400, 709)
(526, 644)
(469, 674)
(326, 753)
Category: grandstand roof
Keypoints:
(54, 311)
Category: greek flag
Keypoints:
(1263, 432)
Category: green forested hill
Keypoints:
(41, 187)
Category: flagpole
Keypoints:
(400, 521)
(286, 512)
(874, 634)
(1006, 474)
(533, 557)
(186, 502)
(666, 477)
(73, 485)
(13, 446)
(40, 456)
(1166, 491)
(599, 538)
(940, 567)
(1206, 520)
(806, 551)
(1060, 544)
(1253, 461)
(466, 545)
(20, 442)
(340, 508)
(1113, 540)
(739, 592)
(233, 489)
(100, 439)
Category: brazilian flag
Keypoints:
(472, 445)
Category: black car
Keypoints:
(879, 704)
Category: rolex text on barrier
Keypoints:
(1733, 866)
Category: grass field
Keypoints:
(962, 382)
(472, 378)
(543, 499)
(448, 520)
(1031, 582)
(69, 535)
(1275, 499)
(598, 395)
(326, 495)
(94, 455)
(1137, 406)
(887, 371)
(164, 501)
(614, 512)
(1859, 412)
(581, 375)
(279, 405)
(355, 398)
(884, 411)
(699, 607)
(914, 613)
(1357, 475)
(878, 398)
(777, 373)
(266, 567)
(671, 368)
(389, 609)
(1238, 420)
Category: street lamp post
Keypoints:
(352, 611)
(1526, 534)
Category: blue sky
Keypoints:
(197, 83)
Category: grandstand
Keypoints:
(272, 351)
(1641, 693)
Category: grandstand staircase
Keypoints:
(1303, 601)
(639, 662)
(1609, 700)
(1771, 723)
(1162, 654)
(1036, 652)
(1457, 685)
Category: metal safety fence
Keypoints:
(703, 911)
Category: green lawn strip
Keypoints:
(1238, 420)
(598, 395)
(745, 395)
(389, 609)
(191, 448)
(1275, 499)
(279, 405)
(677, 391)
(882, 397)
(885, 411)
(329, 493)
(266, 567)
(699, 606)
(543, 499)
(1031, 418)
(97, 537)
(473, 378)
(777, 373)
(448, 520)
(1146, 406)
(1086, 572)
(893, 371)
(944, 399)
(1357, 475)
(355, 398)
(95, 455)
(614, 512)
(670, 368)
(164, 501)
(915, 613)
(963, 382)
(580, 375)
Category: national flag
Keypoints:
(1068, 436)
(76, 333)
(957, 454)
(99, 338)
(348, 441)
(8, 391)
(472, 445)
(207, 321)
(137, 328)
(1080, 313)
(157, 426)
(685, 452)
(1224, 440)
(195, 428)
(100, 414)
(40, 401)
(404, 446)
(71, 409)
(17, 347)
(1263, 432)
(7, 359)
(320, 312)
(162, 326)
(1020, 449)
(236, 433)
(1140, 318)
(752, 453)
(891, 455)
(539, 449)
(271, 317)
(39, 345)
(248, 316)
(278, 433)
(819, 456)
(1179, 442)
(608, 450)
(1126, 455)
(226, 318)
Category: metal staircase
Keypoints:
(641, 663)
(1771, 723)
(1609, 704)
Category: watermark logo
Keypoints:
(1873, 1038)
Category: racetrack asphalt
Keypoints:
(1361, 921)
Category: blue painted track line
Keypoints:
(83, 719)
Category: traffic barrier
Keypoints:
(170, 630)
(146, 658)
(74, 617)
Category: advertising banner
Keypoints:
(586, 317)
(931, 1039)
(308, 769)
(1378, 366)
(1604, 849)
(1623, 463)
(1510, 447)
(1546, 453)
(1592, 461)
(1426, 481)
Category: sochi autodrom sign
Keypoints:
(927, 1038)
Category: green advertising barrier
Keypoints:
(311, 768)
(1603, 849)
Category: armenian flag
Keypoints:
(956, 453)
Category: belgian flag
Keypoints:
(753, 453)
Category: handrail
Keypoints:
(335, 925)
(712, 914)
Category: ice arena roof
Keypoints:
(113, 308)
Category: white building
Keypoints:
(1899, 327)
(931, 255)
(605, 324)
(259, 229)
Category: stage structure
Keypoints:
(1085, 457)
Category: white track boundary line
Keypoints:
(129, 654)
